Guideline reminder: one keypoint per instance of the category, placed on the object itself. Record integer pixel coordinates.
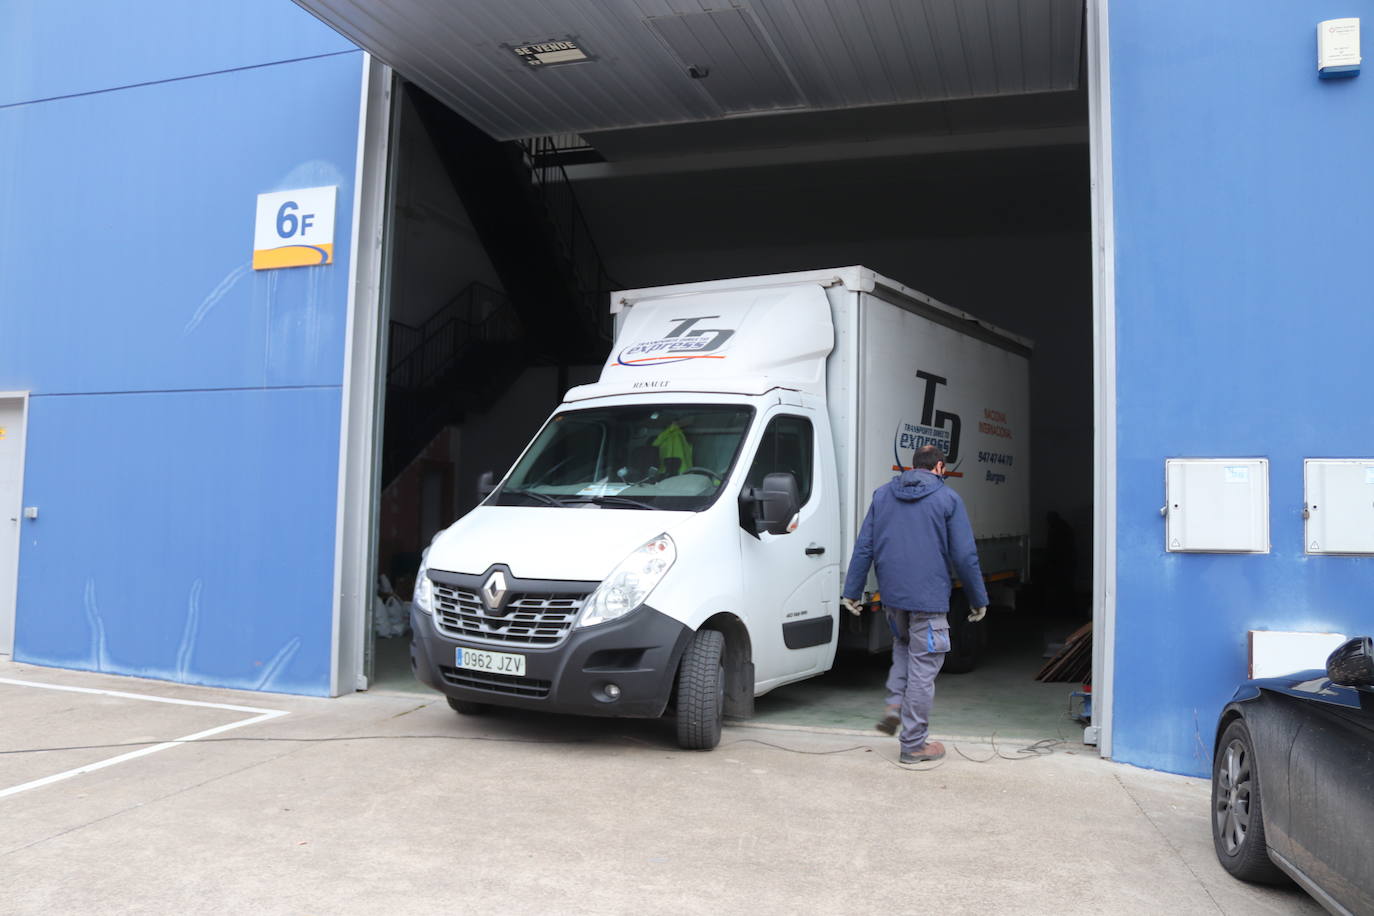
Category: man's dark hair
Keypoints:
(926, 457)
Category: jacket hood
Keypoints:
(916, 484)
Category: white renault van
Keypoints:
(673, 538)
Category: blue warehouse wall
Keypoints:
(184, 419)
(1243, 193)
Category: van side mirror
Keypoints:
(770, 507)
(486, 483)
(1352, 665)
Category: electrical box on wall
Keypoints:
(1338, 48)
(1216, 505)
(1338, 505)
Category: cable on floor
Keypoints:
(1042, 748)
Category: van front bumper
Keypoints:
(638, 653)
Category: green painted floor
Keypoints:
(999, 698)
(391, 667)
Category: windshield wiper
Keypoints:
(623, 502)
(542, 497)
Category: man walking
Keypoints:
(915, 530)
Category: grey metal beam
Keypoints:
(360, 423)
(1104, 378)
(834, 152)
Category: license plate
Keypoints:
(495, 662)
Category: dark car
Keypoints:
(1293, 780)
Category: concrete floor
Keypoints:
(389, 802)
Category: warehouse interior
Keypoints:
(504, 243)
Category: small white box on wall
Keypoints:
(1216, 505)
(1338, 48)
(1274, 653)
(1338, 506)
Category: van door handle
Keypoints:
(814, 550)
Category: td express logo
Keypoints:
(684, 341)
(939, 428)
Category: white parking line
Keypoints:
(260, 715)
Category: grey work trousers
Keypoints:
(919, 642)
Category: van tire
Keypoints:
(701, 691)
(466, 708)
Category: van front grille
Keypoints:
(531, 619)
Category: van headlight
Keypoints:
(424, 591)
(629, 584)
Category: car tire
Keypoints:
(1238, 811)
(466, 708)
(965, 637)
(701, 691)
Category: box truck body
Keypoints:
(675, 537)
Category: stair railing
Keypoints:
(542, 157)
(477, 314)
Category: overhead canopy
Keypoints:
(522, 68)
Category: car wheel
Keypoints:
(465, 708)
(701, 692)
(1237, 810)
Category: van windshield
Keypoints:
(631, 457)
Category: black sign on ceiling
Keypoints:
(550, 53)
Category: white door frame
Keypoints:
(360, 424)
(1104, 376)
(9, 602)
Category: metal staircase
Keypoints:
(554, 309)
(479, 315)
(543, 158)
(521, 203)
(462, 358)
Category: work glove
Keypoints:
(852, 606)
(977, 614)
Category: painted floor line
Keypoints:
(133, 696)
(261, 715)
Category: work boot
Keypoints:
(931, 750)
(889, 723)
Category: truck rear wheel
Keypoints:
(965, 637)
(701, 692)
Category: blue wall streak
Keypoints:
(1244, 282)
(128, 232)
(184, 420)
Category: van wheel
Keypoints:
(701, 691)
(465, 708)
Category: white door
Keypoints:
(11, 511)
(792, 580)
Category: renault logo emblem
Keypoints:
(494, 590)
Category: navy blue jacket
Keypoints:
(915, 530)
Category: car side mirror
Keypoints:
(772, 506)
(486, 483)
(1352, 665)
